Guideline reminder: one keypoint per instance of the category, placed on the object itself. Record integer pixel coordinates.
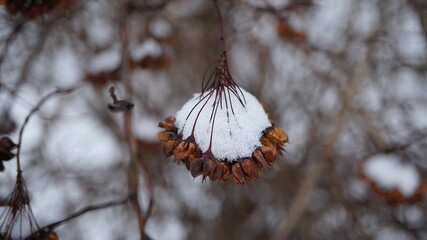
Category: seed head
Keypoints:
(223, 132)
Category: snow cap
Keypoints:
(388, 172)
(234, 135)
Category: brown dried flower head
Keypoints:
(391, 181)
(223, 133)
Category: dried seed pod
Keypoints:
(218, 173)
(170, 120)
(196, 167)
(265, 142)
(282, 135)
(168, 126)
(248, 168)
(274, 137)
(238, 175)
(225, 172)
(257, 169)
(191, 148)
(52, 236)
(258, 157)
(164, 136)
(208, 169)
(168, 147)
(267, 153)
(180, 151)
(194, 155)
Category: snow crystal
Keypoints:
(388, 172)
(234, 136)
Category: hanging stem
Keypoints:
(221, 26)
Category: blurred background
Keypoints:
(346, 80)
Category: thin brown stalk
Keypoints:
(31, 113)
(300, 201)
(52, 226)
(133, 170)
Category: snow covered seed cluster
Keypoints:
(391, 180)
(223, 133)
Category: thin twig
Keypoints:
(133, 171)
(85, 210)
(30, 114)
(221, 26)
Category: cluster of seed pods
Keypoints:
(241, 171)
(393, 196)
(34, 8)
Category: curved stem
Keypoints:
(34, 110)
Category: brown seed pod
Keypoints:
(164, 136)
(168, 147)
(198, 163)
(268, 155)
(265, 142)
(196, 167)
(248, 168)
(239, 176)
(258, 157)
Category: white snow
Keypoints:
(66, 66)
(105, 61)
(388, 172)
(160, 28)
(148, 47)
(236, 136)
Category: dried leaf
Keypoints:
(118, 105)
